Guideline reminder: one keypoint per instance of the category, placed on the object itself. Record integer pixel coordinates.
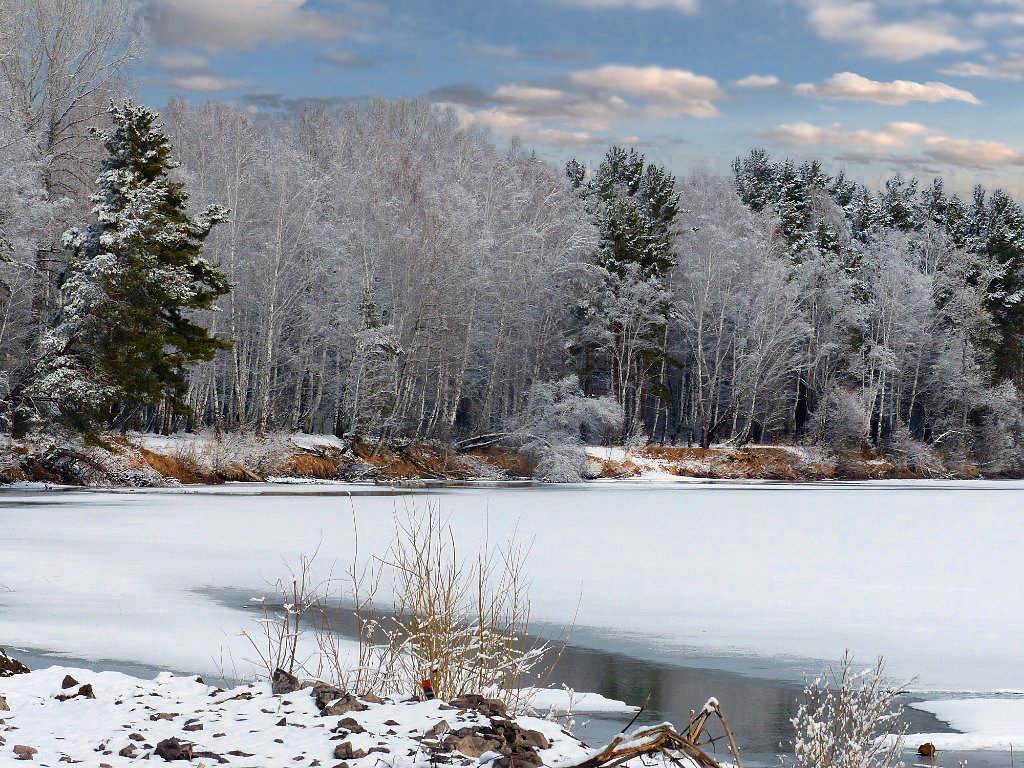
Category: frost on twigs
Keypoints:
(461, 620)
(850, 719)
(553, 425)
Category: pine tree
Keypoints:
(125, 331)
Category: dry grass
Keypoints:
(611, 469)
(512, 463)
(318, 466)
(184, 470)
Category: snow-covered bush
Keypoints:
(841, 420)
(555, 424)
(850, 719)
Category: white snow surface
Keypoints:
(561, 701)
(273, 730)
(993, 724)
(922, 572)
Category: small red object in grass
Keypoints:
(927, 749)
(428, 690)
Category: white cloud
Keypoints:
(242, 24)
(972, 154)
(758, 81)
(856, 22)
(907, 129)
(508, 125)
(683, 6)
(848, 86)
(798, 134)
(527, 93)
(992, 66)
(995, 20)
(669, 91)
(199, 83)
(182, 62)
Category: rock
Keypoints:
(23, 752)
(284, 682)
(172, 749)
(927, 749)
(193, 727)
(282, 721)
(10, 667)
(350, 724)
(136, 737)
(474, 746)
(535, 739)
(343, 705)
(483, 705)
(344, 751)
(324, 693)
(3, 705)
(210, 756)
(68, 682)
(372, 698)
(439, 729)
(128, 752)
(389, 722)
(85, 691)
(163, 716)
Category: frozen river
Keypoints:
(761, 582)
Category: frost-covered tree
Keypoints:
(61, 62)
(126, 329)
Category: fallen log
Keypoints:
(653, 741)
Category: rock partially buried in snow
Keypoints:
(284, 682)
(475, 746)
(10, 667)
(173, 749)
(344, 751)
(23, 752)
(3, 705)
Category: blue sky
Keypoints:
(926, 87)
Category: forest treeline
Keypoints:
(381, 271)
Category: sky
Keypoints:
(872, 87)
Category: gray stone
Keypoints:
(284, 682)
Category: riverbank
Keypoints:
(149, 460)
(74, 715)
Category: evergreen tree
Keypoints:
(635, 204)
(1004, 246)
(125, 330)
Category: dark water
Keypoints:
(758, 695)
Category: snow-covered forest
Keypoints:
(391, 273)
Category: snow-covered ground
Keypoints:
(127, 719)
(923, 572)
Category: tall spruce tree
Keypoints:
(126, 331)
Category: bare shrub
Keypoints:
(850, 719)
(462, 622)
